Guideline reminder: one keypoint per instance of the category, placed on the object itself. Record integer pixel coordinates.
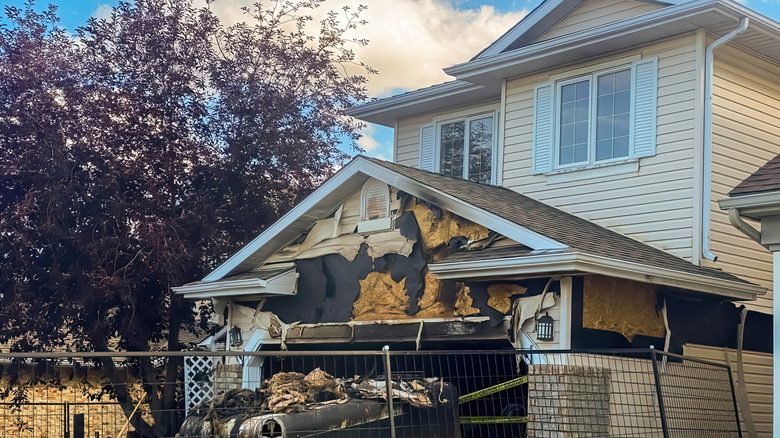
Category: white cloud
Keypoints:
(103, 11)
(410, 40)
(367, 141)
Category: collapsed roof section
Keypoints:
(552, 241)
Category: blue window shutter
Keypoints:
(543, 128)
(645, 86)
(427, 148)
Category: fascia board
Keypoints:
(577, 262)
(385, 111)
(467, 70)
(222, 288)
(754, 206)
(450, 203)
(285, 221)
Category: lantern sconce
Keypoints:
(235, 337)
(545, 328)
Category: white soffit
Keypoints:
(453, 94)
(568, 262)
(250, 286)
(754, 206)
(348, 180)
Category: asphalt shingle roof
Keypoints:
(765, 179)
(577, 233)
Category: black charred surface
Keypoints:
(701, 321)
(343, 285)
(407, 225)
(304, 305)
(758, 332)
(412, 269)
(584, 338)
(479, 296)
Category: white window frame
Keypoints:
(592, 121)
(366, 225)
(466, 120)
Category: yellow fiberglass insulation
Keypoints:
(435, 233)
(623, 306)
(464, 304)
(499, 295)
(380, 298)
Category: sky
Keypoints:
(411, 41)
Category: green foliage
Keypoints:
(139, 155)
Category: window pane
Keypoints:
(620, 148)
(604, 106)
(574, 122)
(604, 129)
(451, 163)
(603, 150)
(622, 102)
(480, 149)
(614, 112)
(606, 84)
(623, 80)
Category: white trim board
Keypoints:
(568, 262)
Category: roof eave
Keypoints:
(574, 262)
(385, 111)
(755, 205)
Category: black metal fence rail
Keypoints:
(495, 394)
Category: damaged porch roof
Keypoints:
(559, 242)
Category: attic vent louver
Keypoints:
(374, 206)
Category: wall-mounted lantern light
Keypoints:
(235, 337)
(545, 328)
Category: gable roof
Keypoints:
(546, 230)
(576, 233)
(540, 20)
(765, 179)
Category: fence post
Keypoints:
(389, 384)
(657, 375)
(66, 416)
(734, 399)
(78, 426)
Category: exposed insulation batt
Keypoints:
(623, 306)
(464, 304)
(499, 295)
(436, 229)
(381, 298)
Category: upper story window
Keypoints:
(593, 117)
(605, 117)
(461, 148)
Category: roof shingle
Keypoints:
(765, 179)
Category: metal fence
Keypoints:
(495, 394)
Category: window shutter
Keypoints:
(645, 86)
(543, 128)
(427, 148)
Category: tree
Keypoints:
(139, 156)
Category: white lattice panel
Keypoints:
(198, 380)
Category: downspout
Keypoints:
(707, 181)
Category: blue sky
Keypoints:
(411, 40)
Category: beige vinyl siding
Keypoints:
(746, 134)
(408, 142)
(595, 13)
(758, 381)
(653, 204)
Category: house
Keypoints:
(757, 199)
(570, 170)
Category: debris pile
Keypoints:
(292, 392)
